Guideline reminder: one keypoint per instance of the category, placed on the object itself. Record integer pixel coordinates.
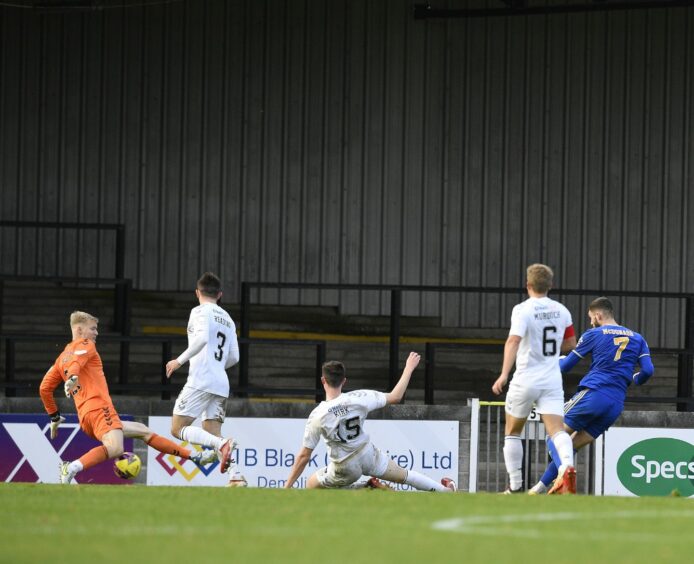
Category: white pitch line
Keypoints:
(488, 525)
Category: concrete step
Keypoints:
(170, 309)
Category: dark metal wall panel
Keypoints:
(300, 141)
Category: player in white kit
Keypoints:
(340, 421)
(541, 329)
(212, 348)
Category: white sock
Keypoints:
(513, 457)
(75, 466)
(539, 488)
(565, 448)
(422, 482)
(199, 436)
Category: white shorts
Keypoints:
(520, 400)
(196, 403)
(369, 461)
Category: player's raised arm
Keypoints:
(398, 392)
(510, 352)
(300, 462)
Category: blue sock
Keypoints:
(552, 470)
(550, 474)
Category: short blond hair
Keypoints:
(80, 317)
(540, 277)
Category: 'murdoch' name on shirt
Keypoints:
(544, 315)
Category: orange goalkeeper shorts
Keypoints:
(98, 422)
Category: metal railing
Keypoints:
(122, 286)
(165, 387)
(426, 11)
(488, 471)
(685, 364)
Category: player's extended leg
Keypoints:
(548, 476)
(182, 427)
(562, 450)
(579, 440)
(513, 452)
(313, 482)
(338, 475)
(135, 430)
(103, 425)
(399, 475)
(236, 479)
(192, 403)
(112, 446)
(552, 470)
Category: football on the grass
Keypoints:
(127, 466)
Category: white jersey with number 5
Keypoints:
(341, 423)
(212, 348)
(541, 323)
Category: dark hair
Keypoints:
(334, 373)
(603, 304)
(209, 285)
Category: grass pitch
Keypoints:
(50, 523)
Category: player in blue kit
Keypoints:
(616, 351)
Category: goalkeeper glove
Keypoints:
(56, 420)
(70, 384)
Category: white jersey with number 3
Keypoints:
(340, 422)
(212, 348)
(541, 323)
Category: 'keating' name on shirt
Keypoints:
(339, 410)
(222, 321)
(542, 315)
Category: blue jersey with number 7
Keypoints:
(616, 352)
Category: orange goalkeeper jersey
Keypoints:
(80, 358)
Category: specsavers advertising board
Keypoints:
(646, 462)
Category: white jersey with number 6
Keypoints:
(212, 348)
(541, 323)
(341, 423)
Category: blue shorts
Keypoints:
(591, 411)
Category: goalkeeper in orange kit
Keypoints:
(81, 372)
